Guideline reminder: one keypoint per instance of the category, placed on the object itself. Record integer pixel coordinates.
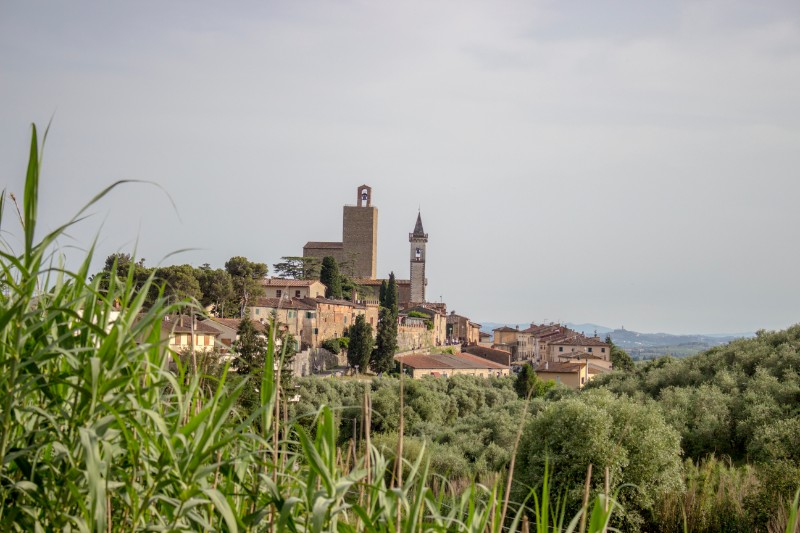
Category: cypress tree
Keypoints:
(383, 358)
(382, 294)
(329, 275)
(359, 348)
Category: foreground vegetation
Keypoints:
(103, 429)
(98, 433)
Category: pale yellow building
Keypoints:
(574, 375)
(183, 333)
(293, 288)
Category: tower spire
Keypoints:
(418, 231)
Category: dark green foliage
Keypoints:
(383, 358)
(332, 345)
(630, 438)
(250, 347)
(216, 286)
(246, 277)
(528, 382)
(620, 360)
(382, 293)
(124, 267)
(726, 400)
(390, 298)
(360, 345)
(329, 276)
(297, 268)
(179, 283)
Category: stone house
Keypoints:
(293, 288)
(461, 329)
(437, 315)
(294, 313)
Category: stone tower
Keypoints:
(418, 240)
(360, 235)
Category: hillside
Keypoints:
(644, 345)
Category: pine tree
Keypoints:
(329, 276)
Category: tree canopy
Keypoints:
(294, 267)
(360, 346)
(329, 276)
(246, 276)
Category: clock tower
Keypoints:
(418, 240)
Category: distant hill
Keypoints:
(644, 345)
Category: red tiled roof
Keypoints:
(505, 329)
(326, 245)
(283, 303)
(446, 361)
(321, 300)
(233, 323)
(368, 282)
(491, 354)
(183, 324)
(560, 368)
(285, 282)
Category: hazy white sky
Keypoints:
(617, 162)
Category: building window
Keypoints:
(258, 311)
(278, 293)
(297, 294)
(590, 350)
(602, 350)
(560, 348)
(316, 331)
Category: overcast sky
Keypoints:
(617, 162)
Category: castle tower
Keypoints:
(360, 235)
(418, 241)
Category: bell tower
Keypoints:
(418, 240)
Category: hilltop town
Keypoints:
(428, 340)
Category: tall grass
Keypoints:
(97, 433)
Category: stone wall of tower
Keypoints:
(417, 281)
(360, 240)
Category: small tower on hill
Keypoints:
(418, 240)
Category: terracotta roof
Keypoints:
(322, 300)
(560, 368)
(326, 245)
(505, 329)
(498, 356)
(286, 282)
(447, 361)
(369, 282)
(233, 323)
(183, 324)
(283, 303)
